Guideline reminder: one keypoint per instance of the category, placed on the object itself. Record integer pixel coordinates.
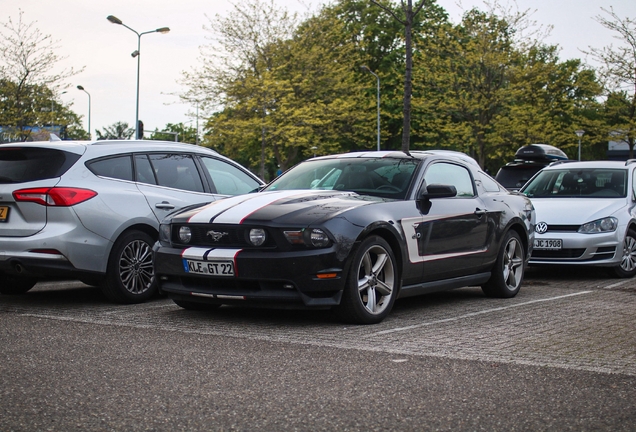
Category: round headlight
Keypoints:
(185, 234)
(318, 238)
(257, 236)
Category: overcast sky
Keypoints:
(88, 40)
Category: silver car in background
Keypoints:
(91, 210)
(585, 215)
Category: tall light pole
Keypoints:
(136, 53)
(579, 133)
(366, 68)
(90, 135)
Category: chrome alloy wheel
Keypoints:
(513, 264)
(628, 261)
(376, 279)
(135, 267)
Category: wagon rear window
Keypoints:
(25, 164)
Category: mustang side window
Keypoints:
(451, 174)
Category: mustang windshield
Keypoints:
(588, 183)
(383, 177)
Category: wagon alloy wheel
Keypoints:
(627, 266)
(130, 273)
(135, 267)
(372, 283)
(507, 273)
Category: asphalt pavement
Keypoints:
(559, 356)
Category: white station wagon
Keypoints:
(585, 215)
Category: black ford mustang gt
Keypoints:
(352, 232)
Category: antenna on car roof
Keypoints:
(54, 137)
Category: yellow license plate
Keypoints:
(4, 213)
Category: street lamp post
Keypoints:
(579, 133)
(90, 135)
(136, 53)
(366, 68)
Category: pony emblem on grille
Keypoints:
(215, 235)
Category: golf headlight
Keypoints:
(185, 234)
(257, 236)
(598, 226)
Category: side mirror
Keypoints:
(433, 191)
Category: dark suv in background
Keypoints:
(528, 161)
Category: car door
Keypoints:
(453, 234)
(169, 181)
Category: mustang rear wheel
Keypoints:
(372, 284)
(627, 267)
(14, 285)
(507, 273)
(130, 275)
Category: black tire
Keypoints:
(15, 285)
(627, 267)
(130, 274)
(507, 273)
(195, 306)
(372, 284)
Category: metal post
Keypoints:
(579, 133)
(366, 68)
(137, 54)
(90, 135)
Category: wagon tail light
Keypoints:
(54, 197)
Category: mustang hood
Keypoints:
(297, 207)
(575, 211)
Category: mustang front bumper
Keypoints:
(309, 278)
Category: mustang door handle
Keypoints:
(164, 205)
(480, 212)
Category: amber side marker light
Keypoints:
(327, 275)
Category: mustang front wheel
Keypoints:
(372, 284)
(507, 273)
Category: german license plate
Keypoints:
(210, 268)
(4, 213)
(548, 244)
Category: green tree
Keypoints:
(28, 83)
(288, 93)
(177, 132)
(486, 94)
(618, 72)
(116, 131)
(407, 19)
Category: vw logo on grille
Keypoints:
(541, 227)
(216, 236)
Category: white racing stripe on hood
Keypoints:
(210, 211)
(237, 213)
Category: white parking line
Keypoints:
(617, 284)
(424, 324)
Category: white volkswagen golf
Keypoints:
(585, 215)
(91, 210)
